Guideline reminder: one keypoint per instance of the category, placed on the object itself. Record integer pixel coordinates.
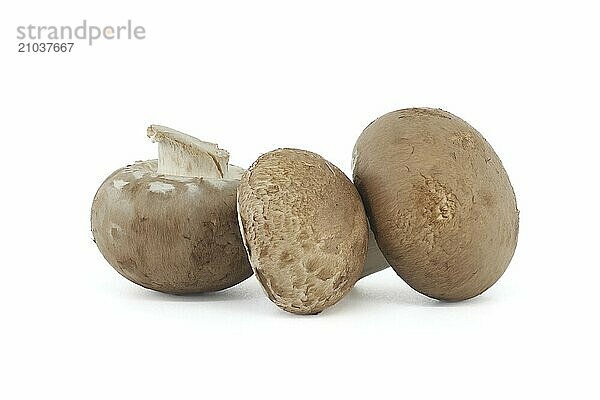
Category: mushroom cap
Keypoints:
(168, 233)
(304, 227)
(439, 201)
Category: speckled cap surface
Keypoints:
(304, 228)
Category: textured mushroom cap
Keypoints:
(304, 227)
(168, 233)
(439, 201)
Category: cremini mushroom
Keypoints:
(170, 224)
(438, 200)
(304, 227)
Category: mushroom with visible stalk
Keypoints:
(304, 227)
(439, 201)
(170, 224)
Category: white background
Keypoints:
(258, 75)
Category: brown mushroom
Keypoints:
(439, 201)
(170, 224)
(304, 227)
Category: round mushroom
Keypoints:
(171, 224)
(439, 201)
(304, 227)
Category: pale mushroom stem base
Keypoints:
(375, 260)
(183, 155)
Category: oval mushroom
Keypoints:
(171, 224)
(439, 201)
(304, 227)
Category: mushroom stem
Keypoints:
(375, 260)
(183, 155)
